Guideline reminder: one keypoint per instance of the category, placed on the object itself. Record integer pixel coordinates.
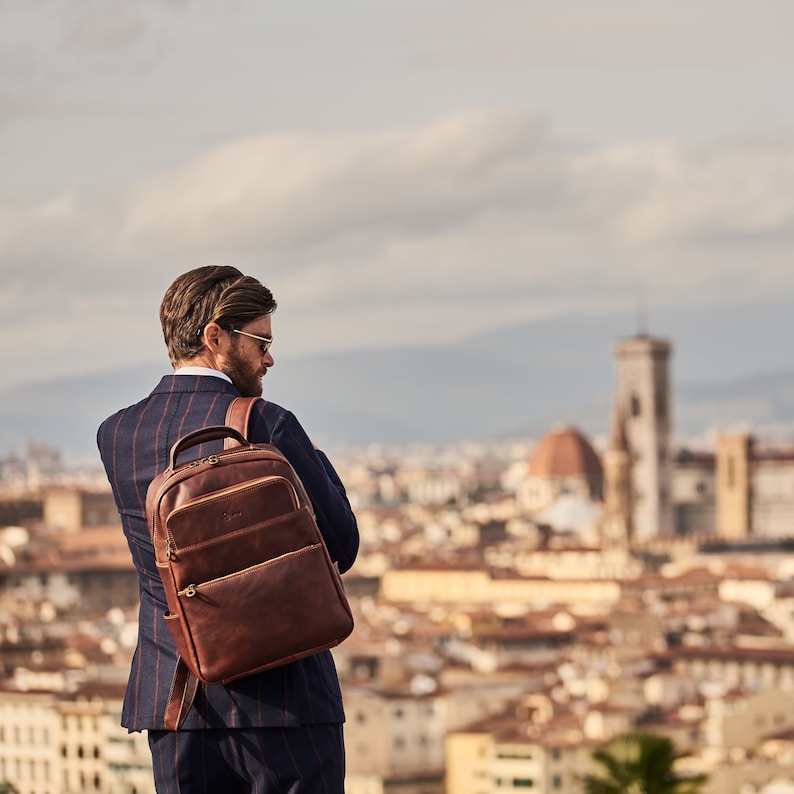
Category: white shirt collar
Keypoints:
(214, 373)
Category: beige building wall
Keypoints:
(29, 743)
(772, 491)
(468, 758)
(357, 783)
(749, 670)
(127, 755)
(742, 722)
(72, 509)
(56, 744)
(477, 587)
(63, 509)
(391, 736)
(82, 745)
(478, 763)
(734, 486)
(749, 776)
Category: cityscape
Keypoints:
(532, 263)
(519, 604)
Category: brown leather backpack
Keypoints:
(247, 575)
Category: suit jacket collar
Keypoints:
(175, 384)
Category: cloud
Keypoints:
(298, 192)
(737, 191)
(290, 189)
(478, 219)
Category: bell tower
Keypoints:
(643, 402)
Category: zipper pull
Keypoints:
(168, 548)
(190, 590)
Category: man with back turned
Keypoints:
(277, 731)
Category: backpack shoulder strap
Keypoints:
(238, 416)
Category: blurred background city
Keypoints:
(534, 271)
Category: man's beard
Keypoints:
(246, 378)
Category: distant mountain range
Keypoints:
(516, 381)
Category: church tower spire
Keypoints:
(643, 401)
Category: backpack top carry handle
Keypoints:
(212, 433)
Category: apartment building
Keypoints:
(516, 751)
(70, 743)
(395, 741)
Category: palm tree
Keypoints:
(640, 763)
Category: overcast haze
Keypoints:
(397, 172)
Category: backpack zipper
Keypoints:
(192, 589)
(171, 546)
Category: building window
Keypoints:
(661, 404)
(556, 781)
(635, 404)
(523, 782)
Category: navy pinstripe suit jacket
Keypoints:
(135, 444)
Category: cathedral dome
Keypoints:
(565, 452)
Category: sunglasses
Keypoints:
(264, 341)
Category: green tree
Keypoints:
(8, 788)
(640, 763)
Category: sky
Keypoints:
(398, 172)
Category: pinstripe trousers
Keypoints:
(305, 760)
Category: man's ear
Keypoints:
(212, 337)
